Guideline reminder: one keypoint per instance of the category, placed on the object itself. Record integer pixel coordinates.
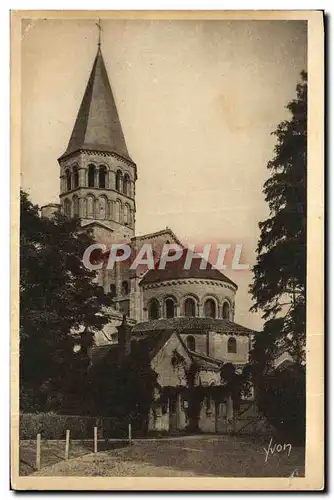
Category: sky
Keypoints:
(198, 102)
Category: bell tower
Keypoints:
(97, 175)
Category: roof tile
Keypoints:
(176, 270)
(185, 324)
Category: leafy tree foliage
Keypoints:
(122, 388)
(282, 399)
(279, 286)
(232, 384)
(60, 307)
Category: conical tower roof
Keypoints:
(97, 127)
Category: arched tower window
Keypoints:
(91, 176)
(67, 208)
(119, 180)
(90, 206)
(126, 214)
(84, 207)
(126, 185)
(210, 308)
(110, 209)
(118, 211)
(226, 310)
(102, 176)
(170, 306)
(68, 180)
(75, 177)
(125, 288)
(112, 289)
(75, 206)
(191, 343)
(103, 207)
(153, 309)
(232, 345)
(190, 307)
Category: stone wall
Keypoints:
(169, 375)
(221, 352)
(200, 290)
(109, 204)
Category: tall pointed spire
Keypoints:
(97, 127)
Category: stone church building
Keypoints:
(174, 311)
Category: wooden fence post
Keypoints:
(38, 452)
(129, 434)
(95, 439)
(67, 444)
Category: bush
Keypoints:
(54, 426)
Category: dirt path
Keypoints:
(209, 456)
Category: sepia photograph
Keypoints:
(167, 191)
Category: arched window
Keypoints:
(83, 207)
(125, 288)
(232, 345)
(75, 206)
(91, 176)
(90, 207)
(190, 307)
(118, 211)
(110, 209)
(102, 176)
(208, 403)
(169, 305)
(68, 180)
(226, 310)
(153, 310)
(126, 185)
(191, 343)
(124, 307)
(75, 177)
(112, 289)
(103, 207)
(174, 362)
(67, 208)
(126, 214)
(119, 180)
(210, 308)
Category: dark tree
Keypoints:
(282, 400)
(123, 390)
(279, 286)
(60, 307)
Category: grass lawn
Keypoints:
(52, 452)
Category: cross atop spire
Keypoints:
(100, 29)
